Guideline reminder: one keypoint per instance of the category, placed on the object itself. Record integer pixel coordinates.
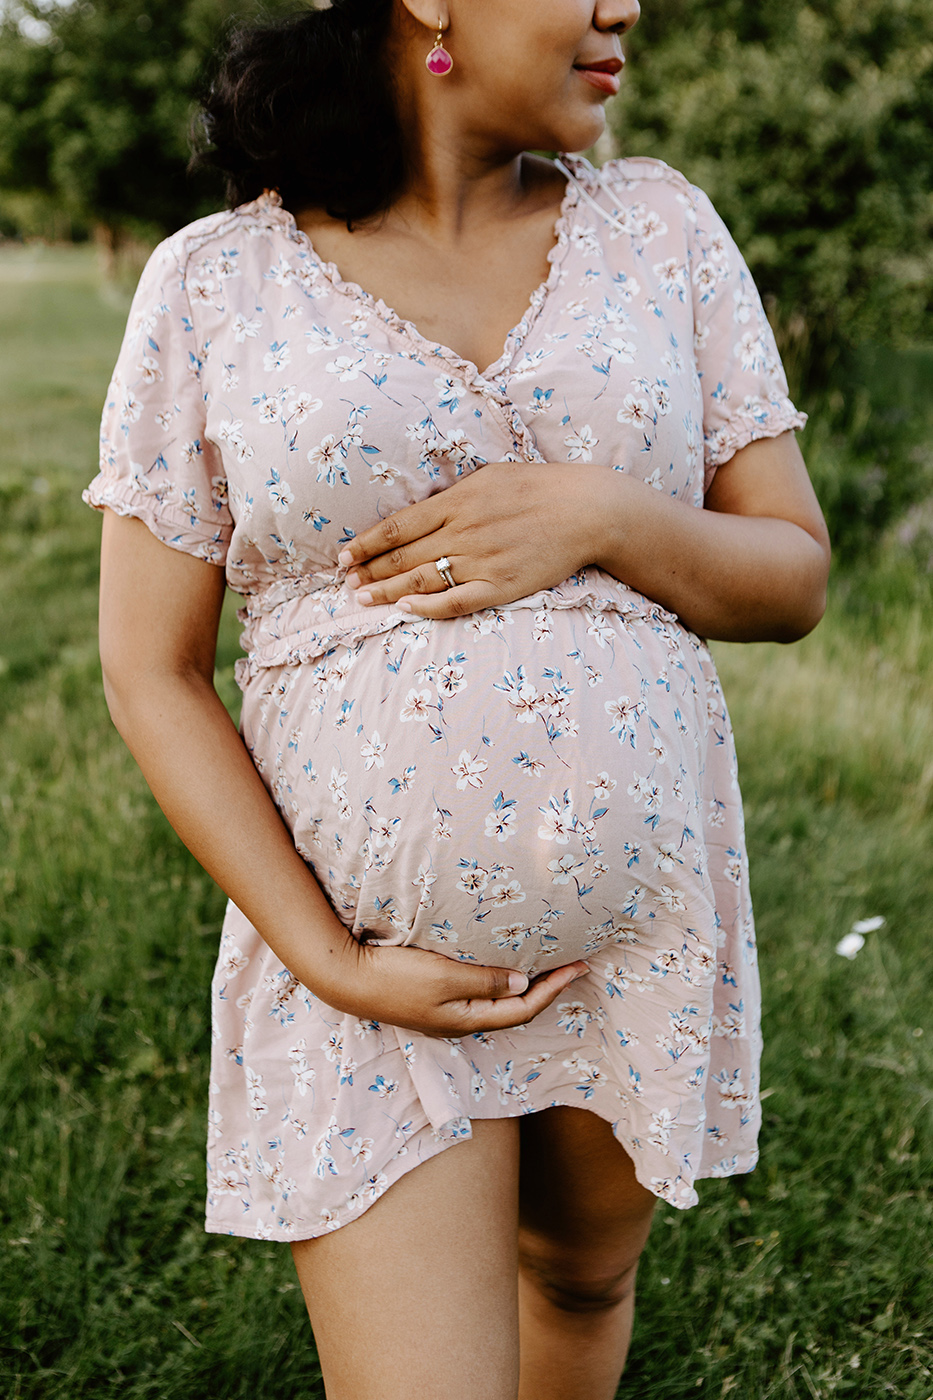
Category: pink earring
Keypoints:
(439, 61)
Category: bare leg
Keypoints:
(584, 1223)
(417, 1300)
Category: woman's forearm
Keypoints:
(205, 782)
(731, 577)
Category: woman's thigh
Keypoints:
(417, 1300)
(584, 1219)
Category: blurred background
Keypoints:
(811, 126)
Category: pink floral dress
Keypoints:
(528, 785)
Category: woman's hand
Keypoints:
(750, 567)
(508, 530)
(424, 991)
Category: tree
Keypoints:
(96, 101)
(810, 124)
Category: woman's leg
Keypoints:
(584, 1221)
(417, 1300)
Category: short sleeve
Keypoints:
(155, 461)
(741, 376)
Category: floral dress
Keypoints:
(522, 787)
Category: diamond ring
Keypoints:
(443, 568)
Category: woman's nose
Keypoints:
(616, 16)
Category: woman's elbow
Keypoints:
(810, 597)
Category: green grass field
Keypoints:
(809, 1278)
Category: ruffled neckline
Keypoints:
(270, 203)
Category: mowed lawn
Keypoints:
(810, 1277)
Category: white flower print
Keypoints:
(417, 706)
(501, 822)
(659, 1133)
(511, 893)
(580, 444)
(383, 472)
(301, 407)
(149, 369)
(559, 820)
(281, 494)
(732, 1092)
(346, 367)
(667, 857)
(474, 879)
(635, 411)
(450, 679)
(562, 869)
(450, 391)
(131, 408)
(573, 1017)
(511, 936)
(705, 279)
(326, 459)
(372, 751)
(244, 329)
(256, 1094)
(751, 351)
(201, 290)
(469, 771)
(361, 1150)
(671, 899)
(671, 277)
(733, 868)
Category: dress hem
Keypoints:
(664, 1189)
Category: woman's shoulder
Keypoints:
(639, 178)
(227, 234)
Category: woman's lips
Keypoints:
(602, 76)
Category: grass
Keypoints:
(808, 1278)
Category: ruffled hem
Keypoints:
(170, 524)
(722, 445)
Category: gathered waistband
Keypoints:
(304, 628)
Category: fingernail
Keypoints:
(577, 975)
(518, 983)
(364, 598)
(353, 580)
(344, 558)
(403, 607)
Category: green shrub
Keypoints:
(811, 127)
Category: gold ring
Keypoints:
(443, 568)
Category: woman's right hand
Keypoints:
(428, 992)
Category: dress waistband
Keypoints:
(302, 629)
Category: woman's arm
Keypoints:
(752, 566)
(159, 615)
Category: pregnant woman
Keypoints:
(488, 444)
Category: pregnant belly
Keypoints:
(516, 789)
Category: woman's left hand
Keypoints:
(508, 530)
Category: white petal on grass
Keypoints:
(869, 925)
(849, 946)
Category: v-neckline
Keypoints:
(271, 201)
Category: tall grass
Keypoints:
(808, 1278)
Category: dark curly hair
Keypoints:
(304, 105)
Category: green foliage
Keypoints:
(811, 127)
(96, 101)
(808, 1277)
